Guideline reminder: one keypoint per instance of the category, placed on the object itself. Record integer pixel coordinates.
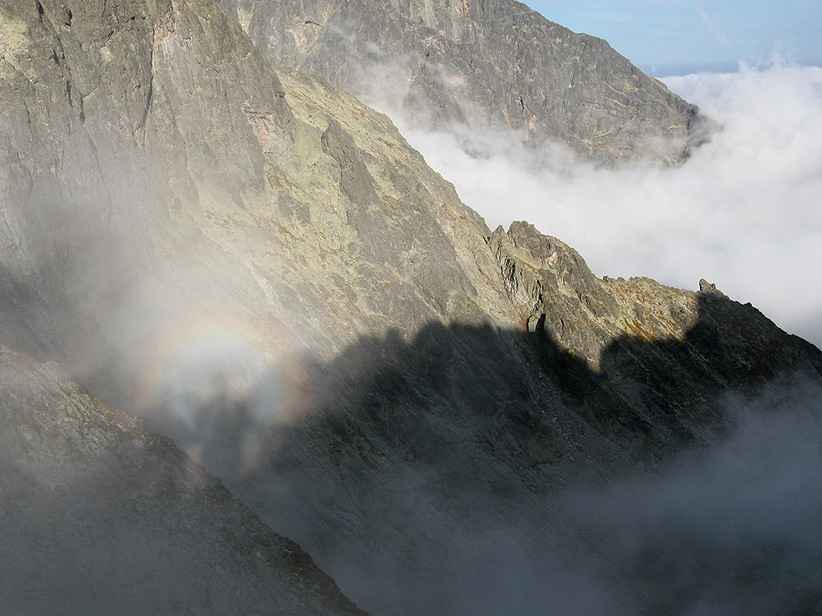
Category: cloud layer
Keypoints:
(745, 212)
(730, 530)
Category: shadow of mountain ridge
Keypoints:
(412, 454)
(651, 399)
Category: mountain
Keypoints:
(474, 66)
(155, 166)
(428, 473)
(102, 516)
(260, 267)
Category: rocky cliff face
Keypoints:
(155, 168)
(260, 266)
(442, 453)
(100, 516)
(478, 64)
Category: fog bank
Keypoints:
(745, 211)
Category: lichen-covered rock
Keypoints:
(156, 170)
(99, 515)
(260, 264)
(479, 63)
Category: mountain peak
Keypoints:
(484, 65)
(259, 266)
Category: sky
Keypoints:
(665, 37)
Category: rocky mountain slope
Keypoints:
(424, 473)
(100, 516)
(478, 65)
(153, 167)
(258, 264)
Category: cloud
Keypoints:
(744, 212)
(718, 34)
(732, 530)
(727, 529)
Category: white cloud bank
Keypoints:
(745, 212)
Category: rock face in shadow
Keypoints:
(697, 345)
(260, 266)
(427, 475)
(101, 516)
(480, 64)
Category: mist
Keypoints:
(729, 530)
(744, 212)
(415, 501)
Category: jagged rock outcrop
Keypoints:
(556, 295)
(481, 64)
(155, 166)
(261, 266)
(99, 515)
(657, 354)
(443, 454)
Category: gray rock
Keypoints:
(480, 64)
(258, 264)
(100, 516)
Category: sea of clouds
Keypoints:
(744, 212)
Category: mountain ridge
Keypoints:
(95, 507)
(260, 266)
(479, 66)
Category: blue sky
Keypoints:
(664, 36)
